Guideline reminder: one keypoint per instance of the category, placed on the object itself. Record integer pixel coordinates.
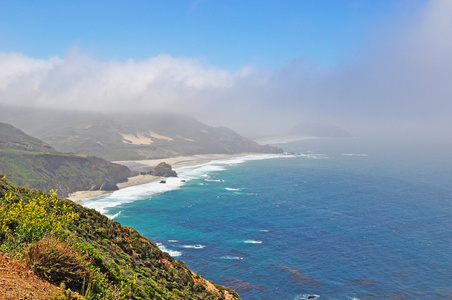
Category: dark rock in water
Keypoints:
(108, 186)
(163, 170)
(297, 276)
(162, 181)
(182, 180)
(242, 285)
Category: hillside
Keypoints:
(92, 255)
(29, 162)
(131, 137)
(17, 282)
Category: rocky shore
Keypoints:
(145, 167)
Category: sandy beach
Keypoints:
(147, 165)
(178, 162)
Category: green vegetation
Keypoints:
(13, 138)
(67, 173)
(119, 137)
(29, 162)
(27, 221)
(57, 262)
(90, 254)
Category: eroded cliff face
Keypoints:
(83, 173)
(27, 161)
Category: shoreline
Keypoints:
(138, 165)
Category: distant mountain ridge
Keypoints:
(29, 162)
(14, 138)
(132, 137)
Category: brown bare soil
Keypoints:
(18, 282)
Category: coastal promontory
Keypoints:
(30, 162)
(85, 255)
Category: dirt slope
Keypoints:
(17, 282)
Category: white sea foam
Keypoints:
(134, 193)
(355, 154)
(252, 242)
(173, 241)
(312, 155)
(264, 230)
(105, 203)
(114, 216)
(232, 257)
(173, 253)
(194, 246)
(220, 165)
(198, 171)
(232, 189)
(306, 297)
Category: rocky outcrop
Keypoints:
(163, 170)
(106, 186)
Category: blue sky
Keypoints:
(254, 66)
(225, 34)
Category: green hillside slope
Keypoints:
(66, 243)
(29, 162)
(131, 137)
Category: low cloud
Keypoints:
(81, 82)
(399, 82)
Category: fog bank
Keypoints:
(398, 84)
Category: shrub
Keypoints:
(28, 221)
(64, 294)
(57, 262)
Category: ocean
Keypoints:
(330, 219)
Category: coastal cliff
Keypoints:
(29, 162)
(92, 255)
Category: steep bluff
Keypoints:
(116, 262)
(29, 162)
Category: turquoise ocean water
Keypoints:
(335, 219)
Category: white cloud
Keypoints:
(80, 82)
(16, 67)
(400, 81)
